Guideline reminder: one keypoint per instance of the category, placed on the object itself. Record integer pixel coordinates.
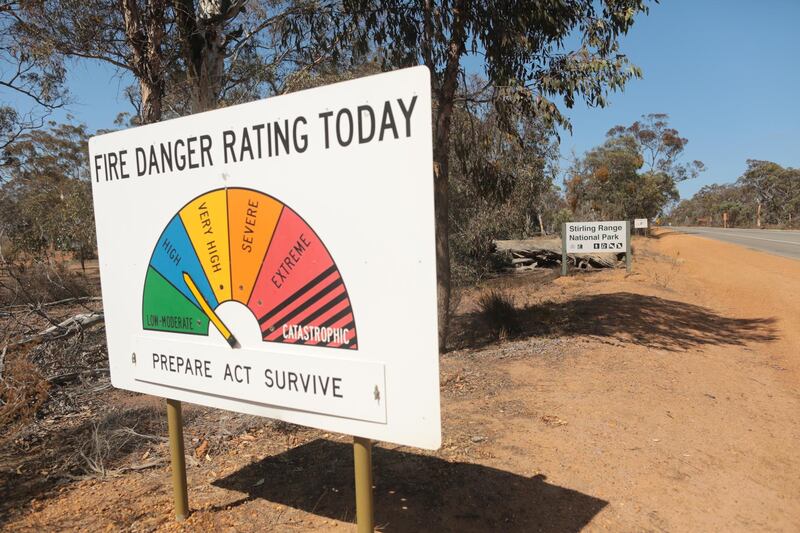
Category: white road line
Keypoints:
(746, 237)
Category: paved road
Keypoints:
(778, 242)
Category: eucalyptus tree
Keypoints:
(541, 55)
(633, 174)
(185, 55)
(45, 192)
(31, 79)
(660, 146)
(776, 191)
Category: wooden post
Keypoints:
(177, 459)
(628, 245)
(564, 249)
(362, 455)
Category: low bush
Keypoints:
(22, 389)
(40, 281)
(498, 314)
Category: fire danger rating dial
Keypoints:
(243, 245)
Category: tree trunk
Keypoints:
(207, 70)
(144, 33)
(445, 96)
(541, 224)
(150, 111)
(203, 44)
(441, 198)
(758, 214)
(151, 106)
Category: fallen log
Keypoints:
(65, 328)
(61, 379)
(546, 252)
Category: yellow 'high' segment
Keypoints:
(206, 222)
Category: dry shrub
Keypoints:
(40, 281)
(498, 314)
(22, 391)
(105, 445)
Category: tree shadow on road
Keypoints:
(414, 492)
(629, 318)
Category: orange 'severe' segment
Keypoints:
(252, 217)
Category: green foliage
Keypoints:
(659, 146)
(522, 43)
(776, 189)
(29, 73)
(221, 52)
(500, 182)
(710, 202)
(561, 217)
(45, 192)
(231, 51)
(632, 175)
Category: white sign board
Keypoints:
(596, 237)
(640, 223)
(277, 258)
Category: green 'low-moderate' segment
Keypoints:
(167, 309)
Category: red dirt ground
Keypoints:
(663, 400)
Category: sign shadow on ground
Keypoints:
(632, 318)
(414, 492)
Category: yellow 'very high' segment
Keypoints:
(252, 220)
(206, 222)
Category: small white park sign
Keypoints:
(640, 223)
(596, 237)
(277, 258)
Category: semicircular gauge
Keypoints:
(242, 245)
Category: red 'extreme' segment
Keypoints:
(299, 296)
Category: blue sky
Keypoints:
(726, 71)
(728, 74)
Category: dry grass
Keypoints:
(40, 281)
(498, 314)
(22, 391)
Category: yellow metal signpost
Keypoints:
(362, 460)
(362, 456)
(177, 459)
